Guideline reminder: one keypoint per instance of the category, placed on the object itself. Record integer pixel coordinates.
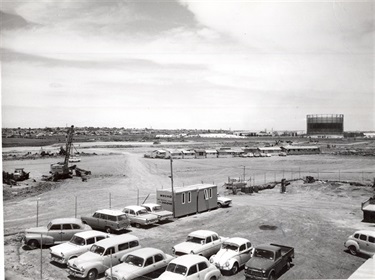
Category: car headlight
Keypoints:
(192, 252)
(82, 269)
(212, 259)
(226, 264)
(264, 272)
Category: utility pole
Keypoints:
(172, 187)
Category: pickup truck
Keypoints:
(268, 261)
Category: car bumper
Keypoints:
(57, 259)
(76, 273)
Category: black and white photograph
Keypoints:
(187, 139)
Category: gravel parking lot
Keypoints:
(314, 218)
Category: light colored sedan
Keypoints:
(362, 241)
(234, 253)
(190, 267)
(79, 244)
(139, 216)
(141, 262)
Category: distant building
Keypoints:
(325, 126)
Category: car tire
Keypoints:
(272, 276)
(92, 274)
(33, 244)
(213, 278)
(288, 265)
(234, 269)
(108, 230)
(353, 250)
(137, 225)
(218, 205)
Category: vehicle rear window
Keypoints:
(158, 258)
(371, 239)
(75, 226)
(134, 243)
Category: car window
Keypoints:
(96, 215)
(134, 243)
(99, 238)
(193, 269)
(248, 245)
(110, 250)
(149, 261)
(90, 241)
(363, 237)
(131, 212)
(104, 216)
(208, 239)
(371, 239)
(202, 266)
(147, 208)
(356, 235)
(55, 227)
(158, 257)
(215, 237)
(67, 226)
(123, 246)
(112, 218)
(242, 247)
(75, 226)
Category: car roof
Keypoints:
(146, 252)
(237, 240)
(66, 221)
(189, 260)
(202, 233)
(135, 207)
(367, 232)
(91, 233)
(150, 204)
(118, 239)
(268, 247)
(110, 212)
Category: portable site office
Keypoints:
(189, 200)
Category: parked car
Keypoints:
(268, 261)
(190, 267)
(101, 255)
(362, 241)
(200, 242)
(156, 209)
(57, 231)
(107, 220)
(141, 262)
(282, 154)
(233, 254)
(139, 216)
(223, 201)
(77, 245)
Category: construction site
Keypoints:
(317, 209)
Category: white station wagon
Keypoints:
(234, 253)
(102, 255)
(141, 262)
(79, 244)
(362, 241)
(190, 267)
(200, 242)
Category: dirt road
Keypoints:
(314, 218)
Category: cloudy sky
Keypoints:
(186, 64)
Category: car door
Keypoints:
(367, 244)
(67, 232)
(216, 244)
(245, 253)
(371, 242)
(110, 258)
(149, 266)
(362, 243)
(55, 232)
(193, 273)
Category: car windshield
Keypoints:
(122, 218)
(142, 212)
(230, 246)
(97, 249)
(194, 239)
(49, 225)
(134, 260)
(263, 254)
(177, 268)
(78, 240)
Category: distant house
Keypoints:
(200, 153)
(173, 153)
(158, 154)
(224, 153)
(188, 153)
(270, 150)
(301, 150)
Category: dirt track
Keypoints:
(315, 218)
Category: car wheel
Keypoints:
(213, 278)
(272, 276)
(234, 269)
(92, 274)
(33, 244)
(218, 205)
(288, 265)
(137, 225)
(108, 230)
(353, 250)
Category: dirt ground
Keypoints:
(314, 218)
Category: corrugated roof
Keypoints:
(193, 187)
(301, 147)
(269, 148)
